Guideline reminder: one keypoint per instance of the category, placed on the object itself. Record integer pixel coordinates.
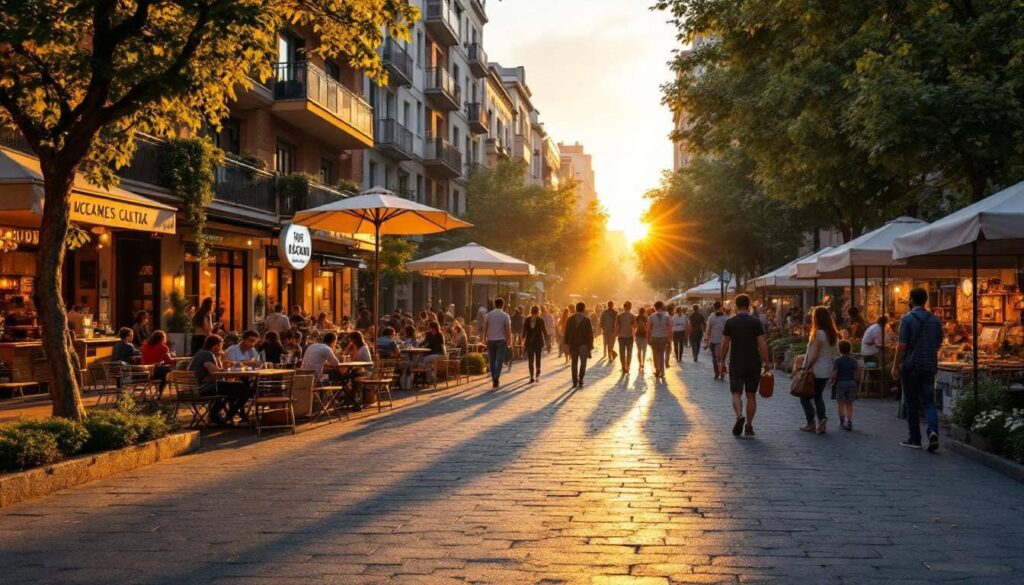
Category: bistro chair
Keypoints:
(274, 396)
(116, 379)
(871, 380)
(187, 394)
(381, 383)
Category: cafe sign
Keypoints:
(121, 214)
(295, 246)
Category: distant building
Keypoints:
(578, 165)
(681, 154)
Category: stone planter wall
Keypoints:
(24, 485)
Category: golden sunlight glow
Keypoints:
(635, 230)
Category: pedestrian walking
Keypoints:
(744, 343)
(659, 331)
(915, 365)
(549, 323)
(845, 375)
(498, 333)
(821, 350)
(535, 335)
(679, 325)
(579, 335)
(607, 323)
(713, 338)
(563, 348)
(697, 324)
(625, 329)
(641, 337)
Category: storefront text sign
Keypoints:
(295, 246)
(121, 214)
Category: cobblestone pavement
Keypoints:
(625, 481)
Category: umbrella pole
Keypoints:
(974, 316)
(853, 287)
(469, 297)
(884, 295)
(376, 278)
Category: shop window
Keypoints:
(225, 279)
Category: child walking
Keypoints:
(845, 374)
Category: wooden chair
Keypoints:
(273, 396)
(870, 379)
(116, 379)
(381, 382)
(186, 393)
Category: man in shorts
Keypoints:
(744, 343)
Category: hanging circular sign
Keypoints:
(295, 246)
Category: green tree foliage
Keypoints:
(79, 79)
(711, 216)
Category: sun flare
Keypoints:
(636, 231)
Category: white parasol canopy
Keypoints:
(379, 212)
(779, 279)
(872, 249)
(807, 267)
(711, 289)
(995, 224)
(469, 260)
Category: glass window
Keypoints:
(284, 158)
(333, 71)
(229, 138)
(326, 171)
(373, 174)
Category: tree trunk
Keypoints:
(60, 356)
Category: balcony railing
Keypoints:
(443, 87)
(496, 147)
(242, 184)
(443, 155)
(393, 138)
(479, 121)
(477, 59)
(521, 147)
(442, 21)
(303, 80)
(398, 62)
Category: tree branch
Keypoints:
(57, 89)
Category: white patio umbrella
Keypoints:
(991, 229)
(379, 212)
(780, 279)
(710, 289)
(469, 260)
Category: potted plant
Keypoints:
(177, 322)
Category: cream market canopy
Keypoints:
(379, 212)
(779, 279)
(469, 260)
(872, 251)
(711, 289)
(22, 197)
(992, 227)
(807, 267)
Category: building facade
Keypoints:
(577, 165)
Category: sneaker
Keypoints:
(933, 442)
(748, 431)
(531, 380)
(495, 384)
(821, 426)
(738, 427)
(910, 444)
(849, 425)
(809, 428)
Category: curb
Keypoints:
(1001, 464)
(41, 481)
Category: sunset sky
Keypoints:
(595, 67)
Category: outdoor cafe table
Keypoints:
(327, 396)
(247, 375)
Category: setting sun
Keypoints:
(636, 230)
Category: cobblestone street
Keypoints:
(624, 481)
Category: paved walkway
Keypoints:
(625, 481)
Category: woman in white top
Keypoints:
(821, 351)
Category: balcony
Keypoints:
(309, 99)
(479, 122)
(521, 147)
(252, 98)
(494, 147)
(394, 140)
(241, 184)
(442, 22)
(398, 62)
(441, 88)
(475, 167)
(315, 196)
(481, 12)
(477, 60)
(441, 157)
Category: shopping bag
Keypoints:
(802, 384)
(766, 385)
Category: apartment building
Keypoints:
(576, 164)
(500, 110)
(431, 115)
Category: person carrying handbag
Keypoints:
(818, 362)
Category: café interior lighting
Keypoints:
(967, 287)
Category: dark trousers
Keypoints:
(695, 341)
(625, 352)
(678, 344)
(819, 401)
(533, 358)
(919, 392)
(579, 363)
(496, 357)
(236, 395)
(160, 373)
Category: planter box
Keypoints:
(24, 485)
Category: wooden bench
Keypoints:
(17, 389)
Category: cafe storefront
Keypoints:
(120, 235)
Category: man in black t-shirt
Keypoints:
(744, 336)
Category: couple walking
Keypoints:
(655, 329)
(498, 333)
